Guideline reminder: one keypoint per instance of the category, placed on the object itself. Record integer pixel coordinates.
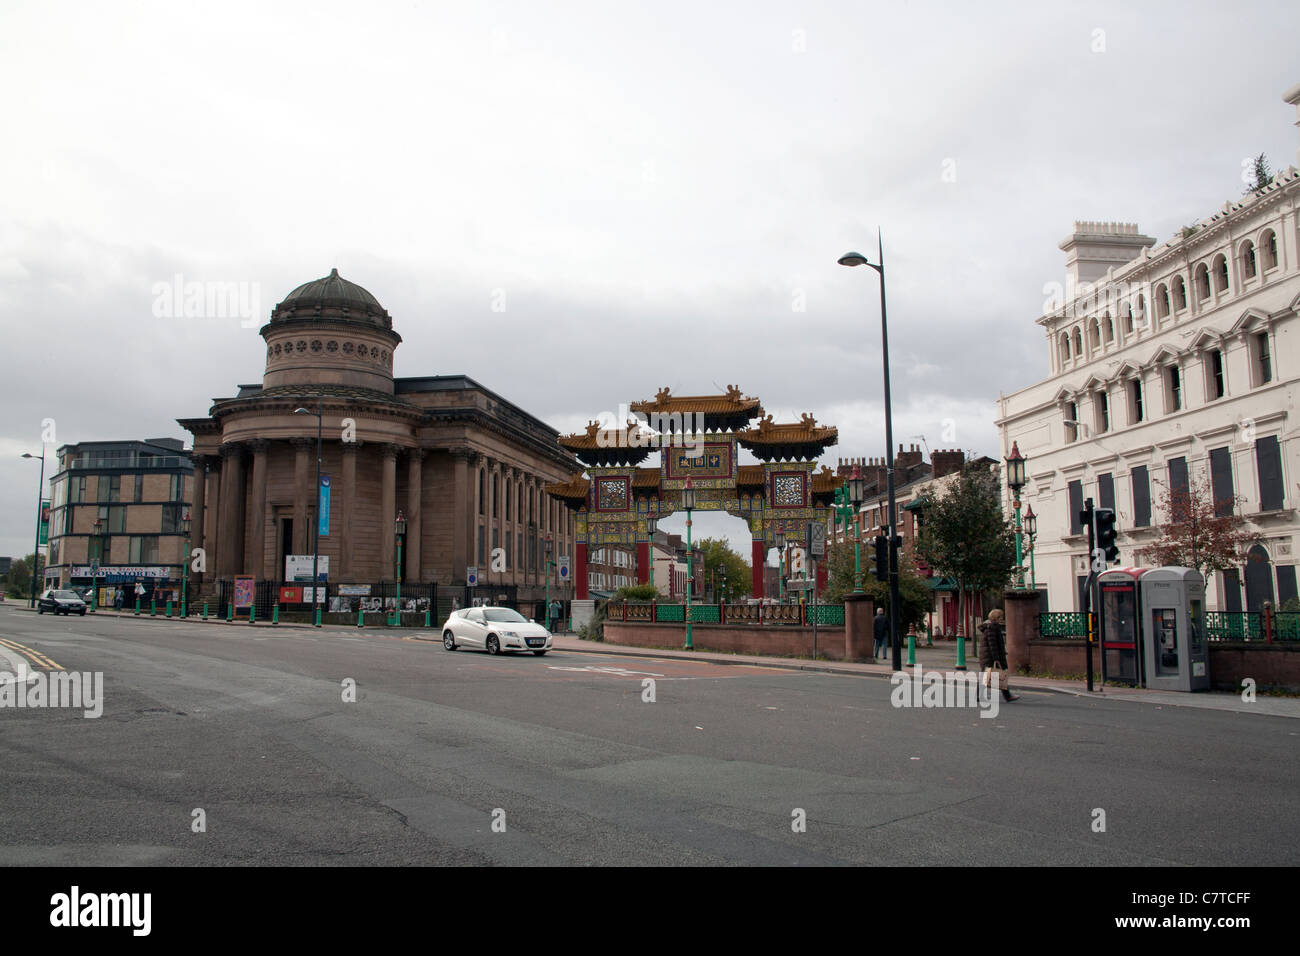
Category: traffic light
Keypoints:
(882, 557)
(1104, 534)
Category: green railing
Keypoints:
(671, 613)
(832, 614)
(704, 613)
(1286, 626)
(1063, 624)
(1234, 626)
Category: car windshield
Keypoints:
(68, 595)
(503, 615)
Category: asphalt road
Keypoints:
(250, 726)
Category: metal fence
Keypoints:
(1063, 624)
(798, 615)
(1220, 626)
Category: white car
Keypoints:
(495, 630)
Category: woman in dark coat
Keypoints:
(993, 650)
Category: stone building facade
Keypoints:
(461, 465)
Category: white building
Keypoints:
(1168, 360)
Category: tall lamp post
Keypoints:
(857, 259)
(94, 567)
(1016, 481)
(651, 525)
(315, 536)
(856, 495)
(399, 530)
(780, 566)
(1031, 529)
(185, 567)
(688, 502)
(36, 547)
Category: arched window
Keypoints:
(1065, 347)
(1268, 247)
(1078, 343)
(1162, 301)
(1202, 282)
(1220, 269)
(1180, 294)
(482, 496)
(1141, 315)
(1094, 335)
(1248, 268)
(1128, 319)
(1107, 330)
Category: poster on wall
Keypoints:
(324, 506)
(244, 591)
(297, 567)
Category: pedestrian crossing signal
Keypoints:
(1104, 534)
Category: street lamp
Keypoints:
(651, 525)
(857, 259)
(315, 538)
(185, 567)
(856, 494)
(36, 547)
(1016, 481)
(546, 571)
(399, 529)
(688, 502)
(1031, 528)
(94, 567)
(780, 566)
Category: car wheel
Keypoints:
(493, 645)
(83, 612)
(448, 640)
(40, 610)
(540, 653)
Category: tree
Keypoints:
(1263, 175)
(965, 536)
(20, 575)
(718, 556)
(1199, 532)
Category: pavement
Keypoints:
(941, 657)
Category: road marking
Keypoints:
(616, 671)
(35, 656)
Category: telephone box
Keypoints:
(1176, 653)
(1152, 628)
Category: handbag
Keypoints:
(1002, 677)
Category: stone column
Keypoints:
(198, 504)
(579, 571)
(303, 475)
(388, 513)
(348, 480)
(212, 516)
(1021, 626)
(758, 556)
(231, 519)
(414, 513)
(464, 511)
(257, 532)
(859, 610)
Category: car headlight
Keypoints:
(509, 634)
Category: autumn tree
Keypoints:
(913, 590)
(965, 535)
(1199, 532)
(719, 556)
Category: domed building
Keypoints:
(461, 466)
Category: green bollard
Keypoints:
(230, 613)
(169, 608)
(137, 606)
(252, 614)
(911, 650)
(427, 622)
(153, 606)
(205, 610)
(275, 614)
(361, 617)
(961, 653)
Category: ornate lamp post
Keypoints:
(1016, 481)
(688, 502)
(315, 537)
(94, 567)
(546, 571)
(891, 532)
(780, 565)
(185, 566)
(856, 494)
(724, 584)
(36, 547)
(1031, 528)
(399, 528)
(651, 525)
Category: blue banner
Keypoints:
(324, 506)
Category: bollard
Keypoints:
(205, 610)
(230, 613)
(169, 607)
(911, 650)
(252, 614)
(137, 605)
(361, 617)
(427, 622)
(961, 653)
(275, 614)
(153, 606)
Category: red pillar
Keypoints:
(580, 571)
(759, 556)
(822, 576)
(643, 562)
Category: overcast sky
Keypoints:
(656, 194)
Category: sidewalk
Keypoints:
(941, 657)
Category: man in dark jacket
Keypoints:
(880, 630)
(993, 650)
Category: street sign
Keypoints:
(471, 576)
(563, 566)
(799, 584)
(817, 539)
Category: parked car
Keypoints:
(494, 629)
(61, 601)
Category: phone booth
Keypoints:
(1176, 653)
(1119, 630)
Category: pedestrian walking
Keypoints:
(880, 631)
(117, 598)
(993, 654)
